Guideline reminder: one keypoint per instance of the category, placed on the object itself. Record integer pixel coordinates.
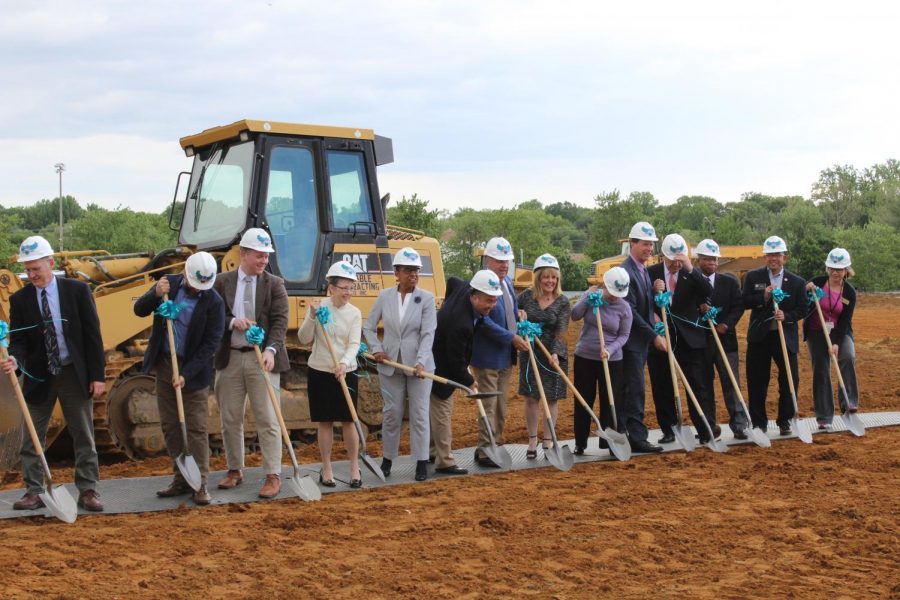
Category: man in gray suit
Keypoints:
(252, 296)
(640, 297)
(409, 318)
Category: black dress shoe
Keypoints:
(28, 502)
(454, 470)
(643, 446)
(784, 429)
(431, 459)
(386, 466)
(740, 434)
(176, 488)
(326, 482)
(667, 438)
(604, 445)
(484, 461)
(579, 451)
(356, 483)
(421, 470)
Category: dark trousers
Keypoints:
(759, 366)
(78, 410)
(712, 363)
(691, 362)
(663, 393)
(589, 376)
(196, 410)
(630, 403)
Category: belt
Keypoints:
(243, 349)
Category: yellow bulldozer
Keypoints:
(314, 189)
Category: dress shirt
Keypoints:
(53, 301)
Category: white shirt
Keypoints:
(402, 303)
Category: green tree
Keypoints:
(614, 217)
(120, 231)
(46, 212)
(413, 213)
(875, 252)
(807, 236)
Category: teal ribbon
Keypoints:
(529, 330)
(4, 334)
(663, 299)
(711, 314)
(169, 310)
(255, 335)
(323, 315)
(363, 348)
(595, 300)
(4, 341)
(818, 294)
(659, 328)
(779, 295)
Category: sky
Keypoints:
(489, 104)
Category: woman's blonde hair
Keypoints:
(536, 281)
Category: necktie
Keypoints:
(54, 364)
(673, 281)
(508, 307)
(249, 309)
(709, 280)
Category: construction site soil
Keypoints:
(793, 521)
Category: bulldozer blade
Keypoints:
(60, 503)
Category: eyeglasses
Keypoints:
(347, 288)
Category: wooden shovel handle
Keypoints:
(787, 362)
(834, 360)
(562, 374)
(672, 362)
(26, 415)
(605, 360)
(343, 380)
(731, 377)
(272, 397)
(175, 374)
(540, 384)
(412, 370)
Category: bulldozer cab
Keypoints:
(313, 188)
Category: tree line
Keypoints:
(855, 209)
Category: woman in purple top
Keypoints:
(838, 302)
(615, 315)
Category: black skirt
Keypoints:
(326, 399)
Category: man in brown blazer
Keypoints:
(252, 296)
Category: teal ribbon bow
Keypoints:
(255, 335)
(711, 314)
(595, 300)
(818, 294)
(169, 310)
(4, 333)
(529, 330)
(659, 328)
(323, 315)
(779, 295)
(363, 348)
(663, 299)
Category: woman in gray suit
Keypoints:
(409, 318)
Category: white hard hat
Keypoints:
(643, 230)
(200, 270)
(708, 248)
(545, 260)
(774, 244)
(487, 281)
(673, 244)
(838, 258)
(33, 248)
(499, 249)
(407, 257)
(616, 282)
(257, 239)
(342, 269)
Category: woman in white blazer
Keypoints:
(410, 319)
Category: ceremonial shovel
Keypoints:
(618, 443)
(851, 419)
(185, 461)
(363, 455)
(759, 438)
(803, 432)
(559, 457)
(684, 437)
(58, 501)
(497, 454)
(303, 485)
(713, 443)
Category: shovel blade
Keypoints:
(499, 456)
(618, 444)
(759, 438)
(188, 468)
(559, 456)
(717, 446)
(684, 437)
(304, 487)
(854, 424)
(60, 503)
(371, 465)
(803, 432)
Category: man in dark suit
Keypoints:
(198, 333)
(251, 296)
(763, 344)
(57, 344)
(689, 290)
(726, 296)
(630, 406)
(461, 315)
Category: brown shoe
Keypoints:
(176, 488)
(90, 500)
(271, 487)
(202, 497)
(28, 502)
(232, 479)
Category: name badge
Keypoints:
(845, 301)
(829, 327)
(760, 286)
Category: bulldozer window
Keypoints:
(349, 189)
(216, 206)
(291, 211)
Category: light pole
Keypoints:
(60, 167)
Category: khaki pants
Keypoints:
(440, 415)
(492, 380)
(196, 410)
(240, 380)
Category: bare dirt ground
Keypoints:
(795, 521)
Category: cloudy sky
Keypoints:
(488, 103)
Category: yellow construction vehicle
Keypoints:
(314, 189)
(735, 259)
